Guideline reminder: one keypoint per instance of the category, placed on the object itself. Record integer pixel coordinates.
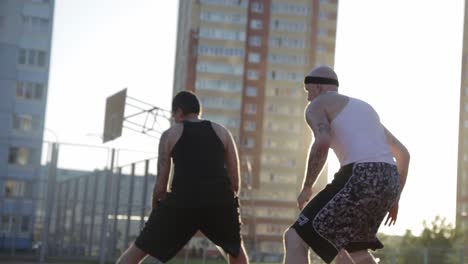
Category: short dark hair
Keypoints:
(187, 101)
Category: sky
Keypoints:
(402, 56)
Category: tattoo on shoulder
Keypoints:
(323, 128)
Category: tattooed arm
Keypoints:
(317, 119)
(164, 167)
(318, 122)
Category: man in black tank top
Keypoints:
(204, 190)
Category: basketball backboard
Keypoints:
(114, 116)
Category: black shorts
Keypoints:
(169, 228)
(348, 212)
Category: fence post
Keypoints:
(116, 211)
(104, 221)
(51, 180)
(84, 202)
(426, 255)
(393, 256)
(145, 193)
(93, 212)
(462, 255)
(130, 206)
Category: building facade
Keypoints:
(246, 60)
(25, 47)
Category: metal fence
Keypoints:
(98, 214)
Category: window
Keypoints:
(21, 156)
(256, 24)
(22, 56)
(290, 9)
(286, 59)
(220, 17)
(250, 108)
(29, 90)
(220, 103)
(277, 91)
(323, 15)
(240, 3)
(285, 25)
(285, 76)
(211, 33)
(272, 176)
(255, 41)
(249, 142)
(323, 32)
(321, 49)
(223, 120)
(256, 7)
(252, 75)
(9, 223)
(41, 58)
(271, 108)
(218, 85)
(251, 91)
(220, 68)
(25, 223)
(26, 123)
(32, 58)
(5, 223)
(286, 42)
(209, 50)
(254, 57)
(14, 189)
(36, 24)
(38, 91)
(250, 126)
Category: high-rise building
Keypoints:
(246, 60)
(25, 46)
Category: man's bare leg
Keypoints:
(241, 259)
(295, 249)
(362, 257)
(133, 255)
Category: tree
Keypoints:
(437, 243)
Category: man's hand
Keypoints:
(392, 214)
(158, 194)
(304, 197)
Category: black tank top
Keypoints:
(200, 175)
